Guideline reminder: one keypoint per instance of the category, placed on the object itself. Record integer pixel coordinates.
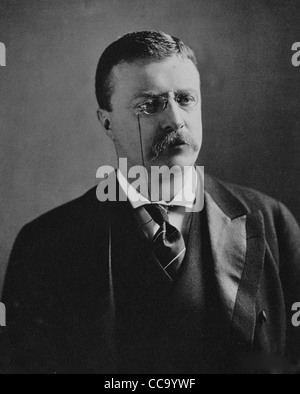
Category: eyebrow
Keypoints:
(146, 93)
(149, 93)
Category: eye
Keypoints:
(187, 100)
(153, 106)
(149, 106)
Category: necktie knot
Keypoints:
(168, 243)
(158, 213)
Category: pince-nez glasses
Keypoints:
(158, 104)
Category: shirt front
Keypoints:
(178, 208)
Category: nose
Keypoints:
(171, 118)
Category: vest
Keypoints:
(163, 326)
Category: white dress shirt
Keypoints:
(179, 215)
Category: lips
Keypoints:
(171, 141)
(176, 144)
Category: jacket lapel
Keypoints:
(244, 316)
(228, 242)
(238, 248)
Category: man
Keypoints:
(152, 285)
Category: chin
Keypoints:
(181, 162)
(178, 160)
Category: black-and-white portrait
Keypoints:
(149, 188)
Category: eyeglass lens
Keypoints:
(159, 104)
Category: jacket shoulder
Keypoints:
(270, 207)
(68, 216)
(252, 199)
(58, 240)
(73, 223)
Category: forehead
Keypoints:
(171, 74)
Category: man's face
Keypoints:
(172, 137)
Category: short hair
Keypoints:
(138, 46)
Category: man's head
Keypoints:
(148, 90)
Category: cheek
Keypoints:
(128, 136)
(126, 130)
(194, 123)
(150, 130)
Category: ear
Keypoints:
(105, 120)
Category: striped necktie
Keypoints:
(168, 243)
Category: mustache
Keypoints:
(176, 137)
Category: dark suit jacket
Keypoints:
(60, 297)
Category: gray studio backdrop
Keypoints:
(51, 144)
